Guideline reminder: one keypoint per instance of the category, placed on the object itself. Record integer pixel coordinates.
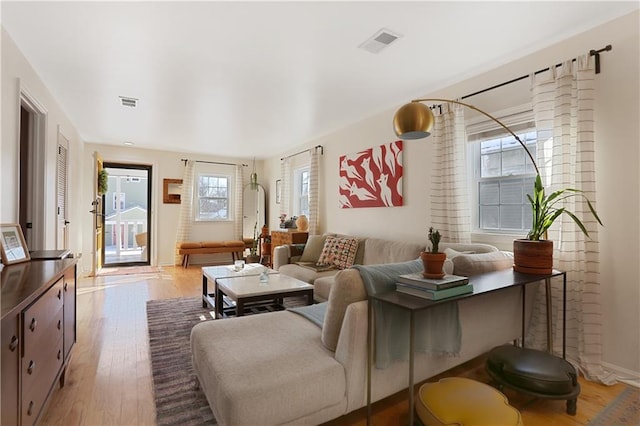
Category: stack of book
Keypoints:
(434, 289)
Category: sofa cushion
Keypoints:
(313, 248)
(340, 252)
(307, 275)
(347, 289)
(271, 369)
(322, 287)
(473, 264)
(378, 251)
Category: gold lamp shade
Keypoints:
(413, 121)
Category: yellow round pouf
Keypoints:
(465, 402)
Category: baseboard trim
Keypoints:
(623, 374)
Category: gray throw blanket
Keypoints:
(437, 329)
(314, 313)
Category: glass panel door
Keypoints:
(126, 215)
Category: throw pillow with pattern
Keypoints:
(339, 252)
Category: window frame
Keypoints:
(520, 120)
(196, 196)
(298, 188)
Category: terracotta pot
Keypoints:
(252, 258)
(533, 257)
(433, 263)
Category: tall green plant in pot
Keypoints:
(534, 255)
(433, 260)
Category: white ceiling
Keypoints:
(256, 79)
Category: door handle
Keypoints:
(66, 222)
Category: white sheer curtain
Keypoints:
(314, 191)
(450, 212)
(285, 196)
(237, 202)
(563, 108)
(185, 220)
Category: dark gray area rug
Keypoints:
(179, 400)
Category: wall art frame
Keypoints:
(13, 246)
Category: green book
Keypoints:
(434, 294)
(416, 279)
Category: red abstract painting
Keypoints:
(372, 178)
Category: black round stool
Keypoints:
(535, 373)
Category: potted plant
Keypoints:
(253, 250)
(534, 255)
(103, 182)
(433, 260)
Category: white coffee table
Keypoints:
(249, 289)
(212, 273)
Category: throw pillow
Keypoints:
(313, 248)
(339, 252)
(473, 264)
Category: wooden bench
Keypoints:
(187, 248)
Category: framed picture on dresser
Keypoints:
(13, 247)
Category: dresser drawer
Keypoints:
(38, 317)
(41, 362)
(36, 387)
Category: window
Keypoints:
(301, 191)
(212, 201)
(119, 199)
(503, 177)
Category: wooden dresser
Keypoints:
(38, 333)
(280, 238)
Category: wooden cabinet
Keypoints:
(279, 238)
(38, 334)
(10, 357)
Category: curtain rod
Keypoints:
(306, 150)
(592, 52)
(214, 162)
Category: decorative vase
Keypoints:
(266, 248)
(533, 257)
(302, 223)
(433, 263)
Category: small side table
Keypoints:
(482, 284)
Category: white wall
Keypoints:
(617, 153)
(18, 74)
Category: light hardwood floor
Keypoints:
(109, 377)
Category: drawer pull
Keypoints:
(66, 286)
(59, 353)
(59, 324)
(59, 294)
(14, 344)
(32, 365)
(33, 324)
(30, 409)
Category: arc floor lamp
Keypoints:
(415, 121)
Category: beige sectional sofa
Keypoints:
(371, 251)
(282, 368)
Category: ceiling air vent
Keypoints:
(128, 102)
(379, 41)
